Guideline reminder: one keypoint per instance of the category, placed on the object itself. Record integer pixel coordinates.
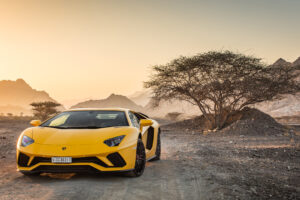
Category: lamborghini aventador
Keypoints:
(89, 140)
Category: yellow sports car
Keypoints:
(80, 140)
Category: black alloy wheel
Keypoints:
(140, 160)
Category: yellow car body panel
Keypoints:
(85, 146)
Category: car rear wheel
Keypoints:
(140, 160)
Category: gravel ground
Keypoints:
(193, 166)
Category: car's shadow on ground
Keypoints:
(45, 177)
(112, 176)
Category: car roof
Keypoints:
(90, 109)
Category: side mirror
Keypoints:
(35, 122)
(145, 122)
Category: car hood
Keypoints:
(53, 136)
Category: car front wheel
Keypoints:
(140, 160)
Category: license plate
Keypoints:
(61, 159)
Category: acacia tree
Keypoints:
(43, 110)
(221, 83)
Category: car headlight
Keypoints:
(114, 141)
(26, 141)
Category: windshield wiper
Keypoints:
(84, 127)
(60, 127)
(75, 127)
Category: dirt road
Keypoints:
(192, 167)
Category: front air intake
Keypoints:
(150, 137)
(116, 159)
(23, 160)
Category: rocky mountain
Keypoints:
(141, 97)
(281, 62)
(164, 108)
(289, 105)
(16, 97)
(112, 101)
(296, 62)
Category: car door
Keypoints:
(147, 132)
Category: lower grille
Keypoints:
(23, 160)
(37, 160)
(95, 160)
(116, 159)
(89, 160)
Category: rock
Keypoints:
(253, 190)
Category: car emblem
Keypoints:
(64, 148)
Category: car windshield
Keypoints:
(87, 119)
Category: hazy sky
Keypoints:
(81, 49)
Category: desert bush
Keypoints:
(173, 115)
(9, 114)
(221, 83)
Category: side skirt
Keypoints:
(151, 157)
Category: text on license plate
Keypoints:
(61, 159)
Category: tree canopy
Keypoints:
(43, 110)
(221, 83)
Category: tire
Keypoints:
(140, 160)
(158, 149)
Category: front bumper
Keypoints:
(116, 159)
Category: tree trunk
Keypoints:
(209, 118)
